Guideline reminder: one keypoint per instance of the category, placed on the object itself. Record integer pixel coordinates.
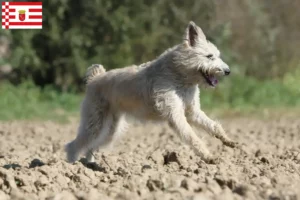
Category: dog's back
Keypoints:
(126, 89)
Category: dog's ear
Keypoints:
(193, 34)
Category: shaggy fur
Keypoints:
(163, 89)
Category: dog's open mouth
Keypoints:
(211, 80)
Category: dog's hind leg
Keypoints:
(87, 133)
(73, 149)
(94, 122)
(99, 138)
(113, 126)
(100, 135)
(117, 128)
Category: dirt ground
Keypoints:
(150, 162)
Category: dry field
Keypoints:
(150, 162)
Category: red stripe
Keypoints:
(34, 10)
(11, 16)
(9, 10)
(25, 3)
(24, 23)
(35, 16)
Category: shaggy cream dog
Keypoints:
(163, 89)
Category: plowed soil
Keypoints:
(150, 162)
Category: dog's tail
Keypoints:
(93, 71)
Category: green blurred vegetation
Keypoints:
(245, 93)
(259, 39)
(27, 101)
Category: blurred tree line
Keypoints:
(259, 37)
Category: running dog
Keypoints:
(166, 88)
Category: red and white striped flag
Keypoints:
(22, 15)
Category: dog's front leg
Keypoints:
(180, 125)
(200, 119)
(178, 122)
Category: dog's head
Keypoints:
(198, 59)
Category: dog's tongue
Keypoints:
(213, 80)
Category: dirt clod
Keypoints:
(264, 160)
(171, 157)
(36, 163)
(241, 190)
(145, 167)
(184, 184)
(155, 185)
(13, 166)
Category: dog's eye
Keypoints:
(210, 56)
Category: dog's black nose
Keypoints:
(227, 72)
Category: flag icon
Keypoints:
(22, 15)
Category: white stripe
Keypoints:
(26, 20)
(24, 7)
(27, 13)
(25, 27)
(34, 13)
